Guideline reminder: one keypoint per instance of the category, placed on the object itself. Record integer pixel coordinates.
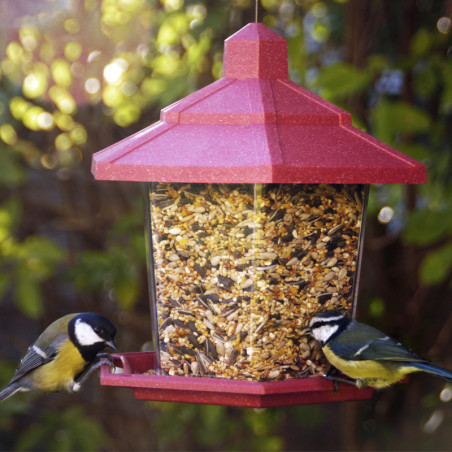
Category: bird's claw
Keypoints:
(101, 359)
(361, 384)
(105, 358)
(336, 381)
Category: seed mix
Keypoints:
(241, 268)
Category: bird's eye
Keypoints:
(99, 330)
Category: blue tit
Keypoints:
(365, 354)
(64, 355)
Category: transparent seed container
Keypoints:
(237, 271)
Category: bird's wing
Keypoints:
(387, 349)
(371, 344)
(37, 356)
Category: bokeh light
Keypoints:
(63, 99)
(49, 161)
(31, 117)
(173, 5)
(92, 85)
(126, 114)
(319, 10)
(73, 50)
(63, 121)
(72, 25)
(8, 134)
(78, 134)
(446, 394)
(61, 73)
(443, 25)
(29, 37)
(35, 85)
(18, 106)
(14, 52)
(63, 142)
(45, 121)
(129, 88)
(435, 420)
(93, 55)
(114, 71)
(385, 215)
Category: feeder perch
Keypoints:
(256, 192)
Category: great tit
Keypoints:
(365, 354)
(64, 355)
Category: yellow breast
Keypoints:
(59, 374)
(377, 374)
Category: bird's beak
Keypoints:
(112, 345)
(305, 331)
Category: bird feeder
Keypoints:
(256, 192)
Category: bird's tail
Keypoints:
(9, 391)
(433, 370)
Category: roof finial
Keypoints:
(255, 51)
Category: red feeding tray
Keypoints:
(216, 391)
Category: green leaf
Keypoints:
(436, 266)
(425, 82)
(12, 171)
(10, 214)
(91, 270)
(115, 269)
(4, 283)
(425, 227)
(27, 293)
(377, 307)
(41, 255)
(446, 97)
(392, 118)
(126, 292)
(377, 63)
(414, 150)
(297, 53)
(421, 43)
(341, 79)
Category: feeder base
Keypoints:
(218, 391)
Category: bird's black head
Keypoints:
(91, 333)
(327, 325)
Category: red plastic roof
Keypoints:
(255, 126)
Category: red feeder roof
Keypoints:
(255, 126)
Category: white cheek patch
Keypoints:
(324, 332)
(85, 334)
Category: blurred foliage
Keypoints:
(76, 77)
(29, 262)
(246, 429)
(119, 271)
(71, 430)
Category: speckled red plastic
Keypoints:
(252, 126)
(255, 126)
(215, 391)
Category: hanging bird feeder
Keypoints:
(256, 197)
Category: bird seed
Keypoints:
(240, 269)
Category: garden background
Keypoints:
(77, 76)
